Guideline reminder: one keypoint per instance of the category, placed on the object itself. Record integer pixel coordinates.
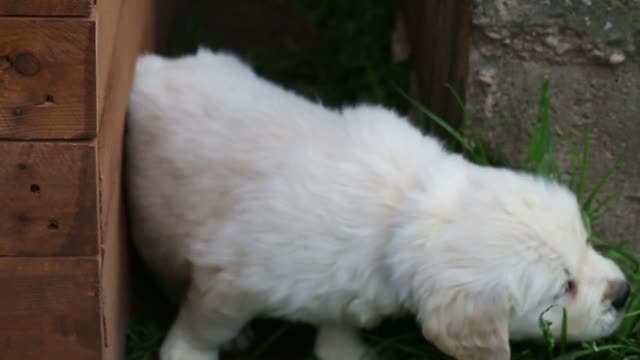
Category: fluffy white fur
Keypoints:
(248, 200)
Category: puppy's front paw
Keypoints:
(337, 343)
(177, 346)
(185, 353)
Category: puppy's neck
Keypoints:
(415, 232)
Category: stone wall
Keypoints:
(589, 50)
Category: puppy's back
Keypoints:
(204, 128)
(198, 127)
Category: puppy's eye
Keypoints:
(571, 288)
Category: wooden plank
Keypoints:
(47, 79)
(108, 14)
(136, 24)
(46, 7)
(49, 309)
(440, 36)
(113, 279)
(48, 204)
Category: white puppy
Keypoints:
(249, 200)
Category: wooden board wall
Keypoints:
(440, 36)
(49, 309)
(47, 77)
(66, 68)
(46, 7)
(48, 203)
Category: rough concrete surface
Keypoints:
(589, 50)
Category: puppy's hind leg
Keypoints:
(335, 342)
(205, 322)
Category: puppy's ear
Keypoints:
(468, 324)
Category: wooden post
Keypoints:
(439, 32)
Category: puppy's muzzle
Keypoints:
(618, 294)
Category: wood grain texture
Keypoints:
(46, 7)
(48, 205)
(49, 309)
(440, 36)
(47, 79)
(135, 34)
(108, 15)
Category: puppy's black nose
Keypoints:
(620, 295)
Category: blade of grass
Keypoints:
(585, 164)
(565, 328)
(596, 189)
(632, 314)
(540, 157)
(586, 220)
(574, 166)
(257, 353)
(583, 353)
(466, 112)
(601, 208)
(548, 338)
(456, 96)
(502, 157)
(439, 121)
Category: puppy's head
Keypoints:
(499, 255)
